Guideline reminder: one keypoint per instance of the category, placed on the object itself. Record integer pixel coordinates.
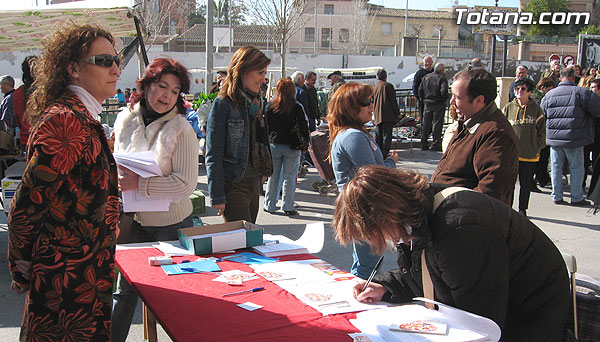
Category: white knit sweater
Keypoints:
(175, 147)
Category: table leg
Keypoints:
(149, 324)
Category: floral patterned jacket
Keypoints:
(63, 219)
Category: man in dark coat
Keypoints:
(385, 111)
(569, 110)
(298, 79)
(433, 92)
(427, 68)
(336, 80)
(310, 78)
(483, 153)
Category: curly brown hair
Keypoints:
(343, 109)
(69, 43)
(379, 203)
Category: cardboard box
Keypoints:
(195, 240)
(9, 186)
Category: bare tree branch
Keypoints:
(283, 17)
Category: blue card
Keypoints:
(191, 267)
(249, 258)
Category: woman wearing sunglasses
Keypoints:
(350, 108)
(155, 121)
(63, 218)
(529, 122)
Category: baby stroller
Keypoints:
(319, 151)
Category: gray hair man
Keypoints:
(520, 74)
(433, 92)
(310, 78)
(301, 96)
(427, 68)
(7, 84)
(569, 111)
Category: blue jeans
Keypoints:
(575, 158)
(125, 298)
(285, 167)
(363, 261)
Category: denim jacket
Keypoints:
(227, 146)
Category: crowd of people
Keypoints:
(66, 218)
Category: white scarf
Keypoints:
(88, 100)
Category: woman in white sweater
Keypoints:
(154, 122)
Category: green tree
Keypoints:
(221, 13)
(539, 6)
(591, 29)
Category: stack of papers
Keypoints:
(316, 283)
(144, 164)
(280, 248)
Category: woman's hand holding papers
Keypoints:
(374, 292)
(128, 180)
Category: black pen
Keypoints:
(372, 274)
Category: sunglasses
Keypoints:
(103, 60)
(521, 89)
(365, 103)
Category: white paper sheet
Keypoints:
(133, 201)
(144, 164)
(171, 248)
(312, 239)
(375, 324)
(316, 283)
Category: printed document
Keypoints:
(144, 164)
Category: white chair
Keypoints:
(571, 263)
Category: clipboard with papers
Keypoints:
(143, 164)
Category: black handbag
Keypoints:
(300, 141)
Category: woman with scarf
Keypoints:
(155, 121)
(237, 141)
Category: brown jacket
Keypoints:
(385, 105)
(483, 155)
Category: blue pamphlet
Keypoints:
(249, 258)
(191, 267)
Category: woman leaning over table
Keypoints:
(482, 256)
(350, 108)
(63, 218)
(155, 121)
(237, 141)
(282, 115)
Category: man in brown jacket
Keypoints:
(483, 153)
(385, 111)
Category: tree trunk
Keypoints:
(282, 54)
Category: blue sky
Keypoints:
(435, 4)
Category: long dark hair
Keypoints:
(286, 96)
(155, 71)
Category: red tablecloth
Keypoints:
(191, 307)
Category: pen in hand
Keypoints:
(372, 274)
